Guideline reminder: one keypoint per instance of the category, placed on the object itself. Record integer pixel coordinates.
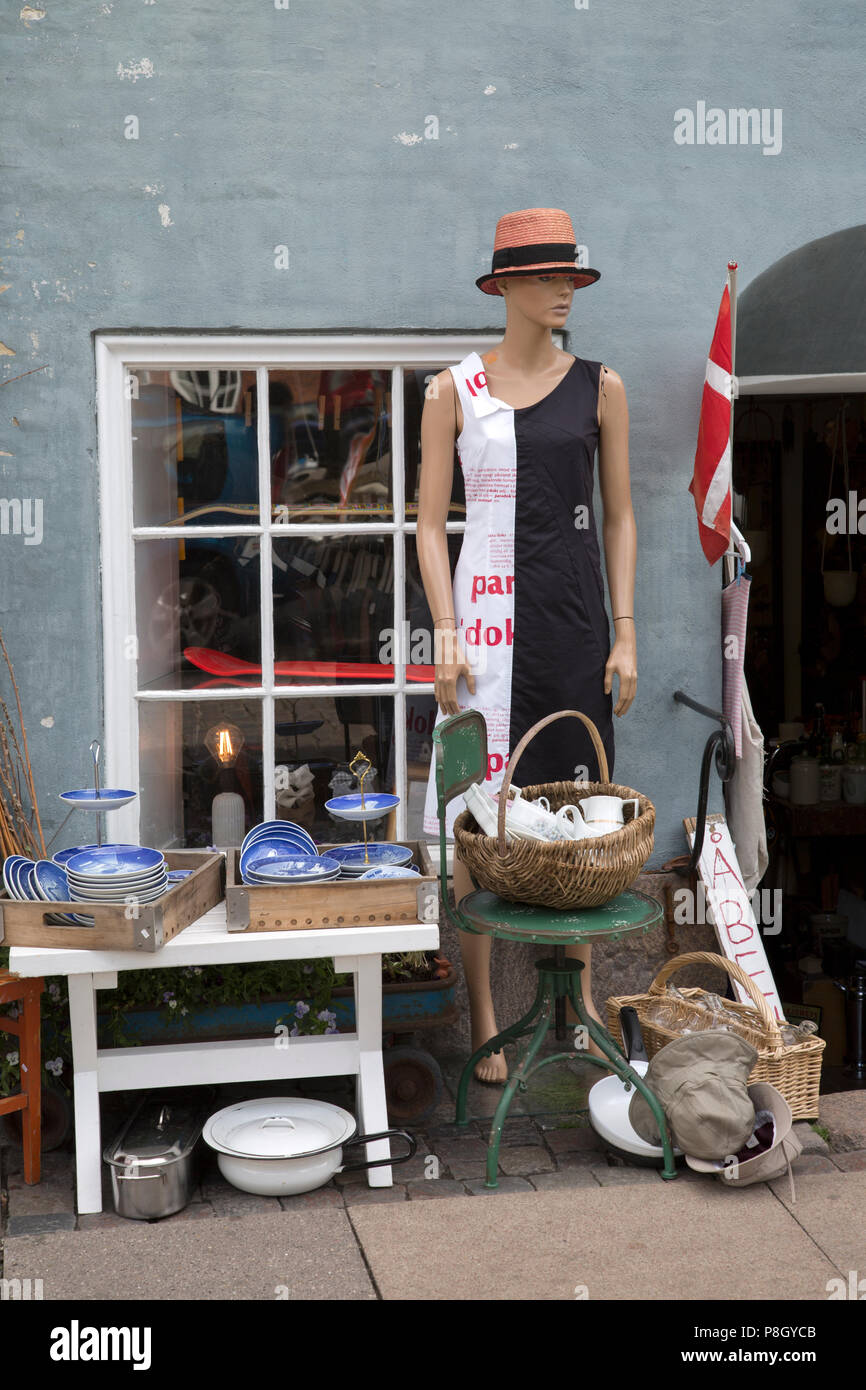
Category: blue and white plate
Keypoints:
(286, 828)
(24, 882)
(299, 868)
(293, 842)
(272, 847)
(118, 894)
(178, 875)
(114, 861)
(379, 853)
(9, 867)
(50, 882)
(392, 871)
(349, 807)
(144, 880)
(63, 856)
(109, 798)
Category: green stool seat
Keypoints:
(489, 915)
(460, 753)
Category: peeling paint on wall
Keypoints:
(29, 15)
(406, 139)
(164, 215)
(143, 68)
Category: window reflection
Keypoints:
(330, 444)
(194, 447)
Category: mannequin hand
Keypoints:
(450, 665)
(622, 662)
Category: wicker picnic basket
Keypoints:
(559, 873)
(794, 1070)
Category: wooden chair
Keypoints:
(26, 1027)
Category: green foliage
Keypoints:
(178, 992)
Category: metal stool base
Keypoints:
(558, 981)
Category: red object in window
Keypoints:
(223, 664)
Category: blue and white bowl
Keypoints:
(114, 862)
(392, 871)
(379, 853)
(10, 866)
(108, 799)
(285, 828)
(350, 807)
(50, 882)
(301, 868)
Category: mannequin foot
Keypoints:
(492, 1069)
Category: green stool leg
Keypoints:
(602, 1039)
(493, 1045)
(512, 1084)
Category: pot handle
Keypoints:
(380, 1162)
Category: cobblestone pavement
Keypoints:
(547, 1143)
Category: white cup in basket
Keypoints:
(573, 823)
(523, 815)
(607, 812)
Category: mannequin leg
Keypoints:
(475, 951)
(584, 953)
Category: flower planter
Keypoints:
(406, 1006)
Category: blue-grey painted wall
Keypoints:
(305, 125)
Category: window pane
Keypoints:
(183, 769)
(333, 602)
(198, 595)
(420, 708)
(331, 445)
(194, 447)
(325, 734)
(417, 381)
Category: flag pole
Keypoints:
(738, 543)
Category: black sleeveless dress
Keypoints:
(528, 588)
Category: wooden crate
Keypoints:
(24, 924)
(339, 903)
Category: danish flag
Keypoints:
(711, 483)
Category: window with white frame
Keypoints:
(263, 610)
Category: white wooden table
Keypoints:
(355, 950)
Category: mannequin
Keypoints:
(521, 372)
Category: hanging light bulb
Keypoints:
(224, 742)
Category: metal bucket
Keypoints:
(154, 1160)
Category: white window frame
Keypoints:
(118, 355)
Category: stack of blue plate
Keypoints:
(294, 868)
(279, 851)
(36, 880)
(116, 874)
(354, 862)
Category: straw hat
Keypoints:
(536, 241)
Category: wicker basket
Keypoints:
(560, 873)
(793, 1070)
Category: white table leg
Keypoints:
(88, 1146)
(370, 1091)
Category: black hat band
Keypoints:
(540, 253)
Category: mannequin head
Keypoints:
(544, 300)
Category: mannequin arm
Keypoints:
(620, 539)
(434, 499)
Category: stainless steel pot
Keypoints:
(281, 1146)
(154, 1159)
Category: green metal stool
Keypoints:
(460, 752)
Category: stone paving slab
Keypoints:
(308, 1254)
(844, 1116)
(831, 1208)
(614, 1242)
